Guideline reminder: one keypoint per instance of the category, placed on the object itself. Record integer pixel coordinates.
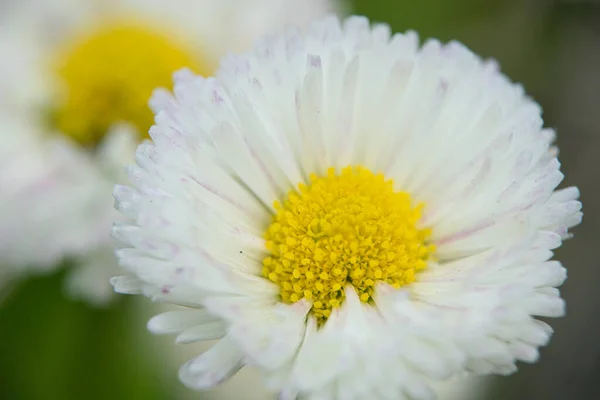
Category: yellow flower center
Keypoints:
(108, 76)
(344, 229)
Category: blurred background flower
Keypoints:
(74, 95)
(53, 348)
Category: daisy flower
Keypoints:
(80, 73)
(353, 214)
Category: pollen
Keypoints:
(107, 77)
(344, 229)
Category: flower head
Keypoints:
(352, 213)
(80, 73)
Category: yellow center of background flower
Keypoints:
(108, 77)
(344, 229)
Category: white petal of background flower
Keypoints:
(33, 170)
(222, 26)
(22, 83)
(447, 127)
(65, 197)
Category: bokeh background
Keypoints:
(52, 348)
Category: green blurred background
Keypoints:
(51, 348)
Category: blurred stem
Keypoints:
(53, 348)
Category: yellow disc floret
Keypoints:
(344, 229)
(108, 76)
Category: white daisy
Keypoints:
(80, 73)
(353, 214)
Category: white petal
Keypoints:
(126, 284)
(212, 367)
(179, 321)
